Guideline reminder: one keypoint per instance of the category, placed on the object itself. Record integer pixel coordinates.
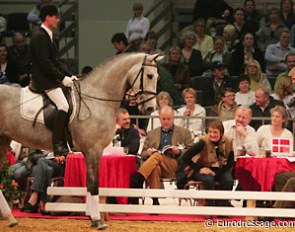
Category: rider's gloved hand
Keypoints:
(67, 81)
(74, 78)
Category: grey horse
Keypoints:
(98, 98)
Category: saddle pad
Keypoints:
(31, 103)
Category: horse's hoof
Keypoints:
(99, 224)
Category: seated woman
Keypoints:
(191, 109)
(257, 77)
(245, 96)
(275, 136)
(163, 99)
(179, 71)
(208, 160)
(284, 92)
(192, 57)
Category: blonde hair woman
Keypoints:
(191, 109)
(257, 77)
(267, 134)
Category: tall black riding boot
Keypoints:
(136, 181)
(59, 148)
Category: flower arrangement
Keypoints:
(8, 185)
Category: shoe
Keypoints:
(28, 208)
(44, 212)
(99, 224)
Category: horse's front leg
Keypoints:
(92, 207)
(6, 211)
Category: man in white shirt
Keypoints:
(243, 135)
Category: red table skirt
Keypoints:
(257, 174)
(114, 172)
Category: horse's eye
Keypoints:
(150, 76)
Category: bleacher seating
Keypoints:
(16, 22)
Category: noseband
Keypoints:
(140, 75)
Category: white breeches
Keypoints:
(58, 98)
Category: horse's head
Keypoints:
(144, 83)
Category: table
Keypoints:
(114, 172)
(257, 174)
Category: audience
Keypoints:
(275, 54)
(216, 84)
(8, 72)
(127, 134)
(286, 13)
(157, 164)
(261, 108)
(209, 160)
(252, 14)
(137, 27)
(245, 96)
(152, 39)
(243, 135)
(190, 110)
(20, 53)
(192, 57)
(257, 77)
(269, 33)
(120, 43)
(179, 71)
(244, 52)
(229, 36)
(275, 136)
(204, 42)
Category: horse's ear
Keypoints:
(157, 57)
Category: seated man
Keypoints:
(262, 105)
(285, 182)
(46, 168)
(126, 134)
(159, 164)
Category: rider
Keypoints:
(49, 75)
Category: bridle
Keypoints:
(141, 90)
(141, 85)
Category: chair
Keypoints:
(17, 22)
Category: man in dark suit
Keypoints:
(161, 164)
(48, 74)
(261, 108)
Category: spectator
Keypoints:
(137, 27)
(163, 99)
(275, 54)
(86, 70)
(276, 130)
(20, 53)
(128, 135)
(290, 62)
(271, 31)
(8, 74)
(219, 54)
(209, 160)
(192, 57)
(144, 47)
(152, 40)
(229, 36)
(243, 135)
(284, 92)
(120, 43)
(245, 96)
(262, 106)
(286, 13)
(179, 71)
(244, 52)
(45, 170)
(216, 84)
(190, 110)
(204, 42)
(284, 182)
(215, 12)
(252, 15)
(257, 77)
(158, 165)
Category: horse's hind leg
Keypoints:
(6, 211)
(4, 145)
(92, 207)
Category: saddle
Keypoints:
(37, 107)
